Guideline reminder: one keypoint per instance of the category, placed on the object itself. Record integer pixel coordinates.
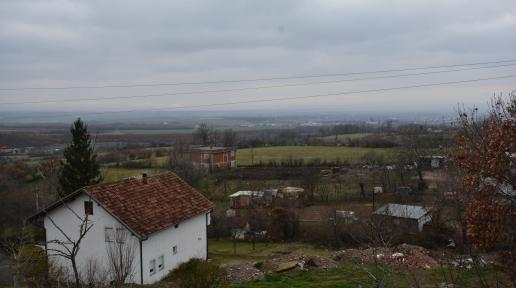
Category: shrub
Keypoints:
(284, 225)
(198, 273)
(33, 265)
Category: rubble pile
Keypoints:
(402, 255)
(298, 263)
(242, 272)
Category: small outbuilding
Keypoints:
(411, 218)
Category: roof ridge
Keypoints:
(127, 179)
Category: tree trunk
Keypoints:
(16, 282)
(76, 273)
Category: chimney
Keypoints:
(144, 178)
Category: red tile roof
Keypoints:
(146, 208)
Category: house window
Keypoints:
(108, 234)
(206, 156)
(396, 221)
(120, 235)
(88, 207)
(152, 267)
(161, 262)
(174, 250)
(232, 153)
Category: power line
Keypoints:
(248, 88)
(281, 99)
(251, 80)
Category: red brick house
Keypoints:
(213, 158)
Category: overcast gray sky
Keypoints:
(69, 43)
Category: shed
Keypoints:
(410, 216)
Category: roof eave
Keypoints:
(54, 205)
(179, 221)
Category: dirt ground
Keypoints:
(401, 255)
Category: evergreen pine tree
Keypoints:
(80, 168)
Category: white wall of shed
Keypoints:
(422, 221)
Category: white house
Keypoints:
(164, 219)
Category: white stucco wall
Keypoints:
(422, 221)
(190, 239)
(93, 245)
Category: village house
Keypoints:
(433, 161)
(162, 217)
(289, 196)
(410, 218)
(243, 202)
(244, 199)
(213, 158)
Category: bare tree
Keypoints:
(214, 137)
(95, 276)
(202, 134)
(70, 246)
(310, 182)
(11, 244)
(180, 150)
(229, 138)
(121, 251)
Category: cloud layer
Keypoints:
(62, 43)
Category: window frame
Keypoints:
(118, 230)
(108, 236)
(152, 267)
(161, 262)
(88, 207)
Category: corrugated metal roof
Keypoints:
(402, 211)
(247, 193)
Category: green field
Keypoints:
(329, 153)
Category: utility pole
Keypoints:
(335, 228)
(373, 200)
(36, 198)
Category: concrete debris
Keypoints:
(298, 263)
(401, 255)
(448, 285)
(242, 273)
(286, 266)
(468, 262)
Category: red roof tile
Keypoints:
(146, 208)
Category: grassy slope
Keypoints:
(329, 153)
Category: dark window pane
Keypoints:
(88, 207)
